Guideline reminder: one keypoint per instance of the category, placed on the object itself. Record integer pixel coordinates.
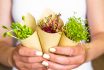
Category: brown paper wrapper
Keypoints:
(65, 41)
(32, 42)
(30, 21)
(48, 40)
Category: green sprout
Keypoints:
(75, 30)
(18, 31)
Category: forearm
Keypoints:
(5, 53)
(5, 18)
(95, 12)
(5, 12)
(96, 46)
(5, 43)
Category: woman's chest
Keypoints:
(66, 8)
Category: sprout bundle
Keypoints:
(74, 32)
(25, 32)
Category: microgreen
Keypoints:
(75, 30)
(4, 27)
(51, 24)
(18, 31)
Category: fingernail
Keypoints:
(46, 56)
(45, 63)
(38, 53)
(52, 49)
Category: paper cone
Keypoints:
(65, 41)
(29, 21)
(48, 40)
(32, 42)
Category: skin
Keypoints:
(66, 58)
(95, 12)
(26, 59)
(21, 57)
(71, 57)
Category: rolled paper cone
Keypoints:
(32, 42)
(29, 21)
(48, 40)
(65, 41)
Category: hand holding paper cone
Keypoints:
(49, 31)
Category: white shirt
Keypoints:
(36, 7)
(65, 7)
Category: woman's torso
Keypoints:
(66, 8)
(36, 7)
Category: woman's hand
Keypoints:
(65, 58)
(27, 59)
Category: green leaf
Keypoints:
(5, 34)
(75, 30)
(4, 27)
(23, 17)
(19, 31)
(9, 34)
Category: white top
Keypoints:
(36, 7)
(65, 7)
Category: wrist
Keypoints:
(86, 47)
(10, 57)
(89, 52)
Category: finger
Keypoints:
(57, 58)
(77, 60)
(43, 68)
(68, 51)
(19, 65)
(25, 51)
(56, 66)
(30, 66)
(64, 59)
(50, 69)
(32, 59)
(33, 66)
(23, 69)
